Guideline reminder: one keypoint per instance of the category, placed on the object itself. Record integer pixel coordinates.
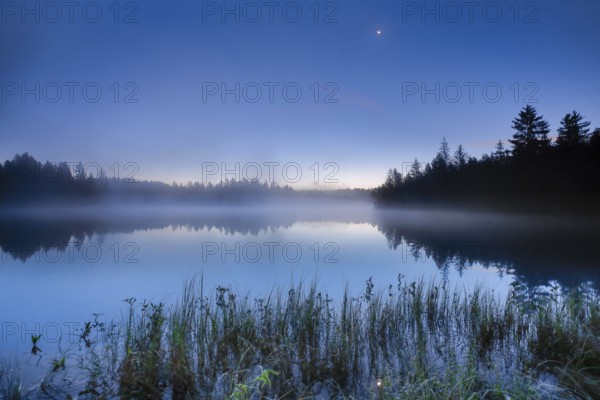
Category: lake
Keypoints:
(59, 267)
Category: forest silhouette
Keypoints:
(26, 181)
(535, 174)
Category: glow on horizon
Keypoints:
(361, 180)
(358, 114)
(343, 184)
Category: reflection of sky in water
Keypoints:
(58, 294)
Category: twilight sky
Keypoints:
(190, 82)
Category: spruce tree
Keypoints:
(531, 136)
(573, 131)
(460, 157)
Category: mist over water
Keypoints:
(61, 265)
(533, 245)
(229, 199)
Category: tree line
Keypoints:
(534, 173)
(25, 180)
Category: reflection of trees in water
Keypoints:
(447, 255)
(22, 237)
(537, 250)
(536, 253)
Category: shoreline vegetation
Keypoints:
(537, 175)
(409, 340)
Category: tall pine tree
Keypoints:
(573, 131)
(531, 136)
(460, 157)
(442, 160)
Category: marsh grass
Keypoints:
(10, 383)
(410, 340)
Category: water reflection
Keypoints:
(22, 234)
(536, 249)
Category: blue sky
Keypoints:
(370, 113)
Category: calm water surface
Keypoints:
(59, 267)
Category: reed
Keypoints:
(10, 383)
(410, 340)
